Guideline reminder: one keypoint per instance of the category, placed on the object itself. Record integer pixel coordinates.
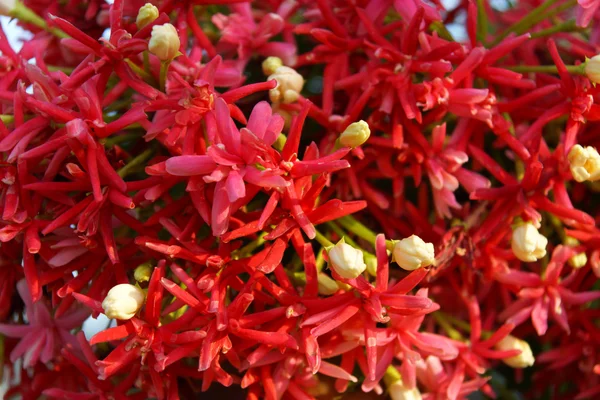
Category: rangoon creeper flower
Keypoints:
(346, 261)
(523, 360)
(289, 85)
(270, 65)
(164, 42)
(123, 301)
(355, 134)
(527, 243)
(412, 253)
(147, 14)
(584, 163)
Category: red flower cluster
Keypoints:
(219, 178)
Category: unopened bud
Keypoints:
(346, 261)
(578, 260)
(584, 163)
(592, 69)
(289, 85)
(327, 286)
(7, 7)
(412, 253)
(270, 65)
(123, 301)
(399, 391)
(146, 15)
(164, 42)
(527, 243)
(355, 134)
(143, 272)
(523, 360)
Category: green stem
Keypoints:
(137, 161)
(323, 240)
(442, 31)
(352, 225)
(54, 68)
(548, 69)
(526, 21)
(482, 22)
(447, 327)
(27, 15)
(7, 119)
(146, 61)
(164, 68)
(567, 26)
(111, 141)
(139, 71)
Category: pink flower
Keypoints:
(43, 338)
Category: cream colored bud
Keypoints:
(289, 85)
(7, 7)
(412, 253)
(398, 391)
(123, 301)
(584, 163)
(592, 69)
(346, 261)
(578, 260)
(355, 134)
(523, 360)
(143, 272)
(164, 42)
(327, 286)
(527, 243)
(146, 15)
(270, 65)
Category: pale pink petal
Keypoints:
(220, 210)
(66, 255)
(190, 165)
(236, 189)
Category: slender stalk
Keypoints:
(534, 17)
(548, 69)
(164, 68)
(447, 327)
(139, 71)
(567, 26)
(27, 15)
(137, 161)
(357, 228)
(323, 240)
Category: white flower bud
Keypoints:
(7, 6)
(527, 243)
(146, 15)
(523, 360)
(346, 261)
(355, 134)
(289, 85)
(592, 69)
(327, 286)
(164, 42)
(270, 65)
(412, 253)
(584, 163)
(398, 391)
(123, 301)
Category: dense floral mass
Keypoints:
(298, 199)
